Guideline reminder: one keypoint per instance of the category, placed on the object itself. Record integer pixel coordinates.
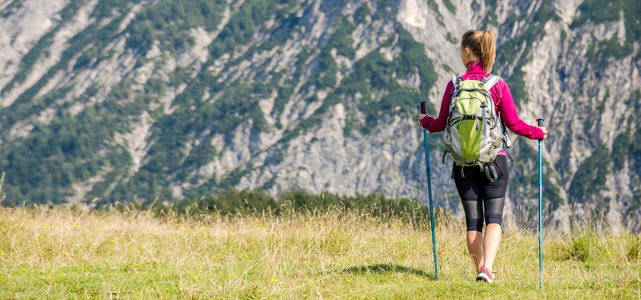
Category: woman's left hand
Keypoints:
(420, 119)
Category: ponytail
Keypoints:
(488, 50)
(482, 45)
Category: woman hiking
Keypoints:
(482, 195)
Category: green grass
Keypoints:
(62, 253)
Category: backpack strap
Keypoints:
(507, 143)
(490, 172)
(456, 80)
(489, 82)
(509, 155)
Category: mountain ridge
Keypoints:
(116, 99)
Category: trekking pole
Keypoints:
(429, 188)
(539, 122)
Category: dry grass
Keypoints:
(61, 253)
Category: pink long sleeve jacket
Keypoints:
(502, 99)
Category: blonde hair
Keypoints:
(482, 45)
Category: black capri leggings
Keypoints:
(482, 198)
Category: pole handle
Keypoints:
(423, 109)
(539, 122)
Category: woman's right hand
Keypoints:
(545, 132)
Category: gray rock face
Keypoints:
(320, 96)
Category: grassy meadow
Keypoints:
(62, 252)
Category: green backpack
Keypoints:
(475, 133)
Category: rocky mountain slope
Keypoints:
(111, 100)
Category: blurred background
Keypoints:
(105, 101)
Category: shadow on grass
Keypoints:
(387, 268)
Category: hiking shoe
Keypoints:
(485, 275)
